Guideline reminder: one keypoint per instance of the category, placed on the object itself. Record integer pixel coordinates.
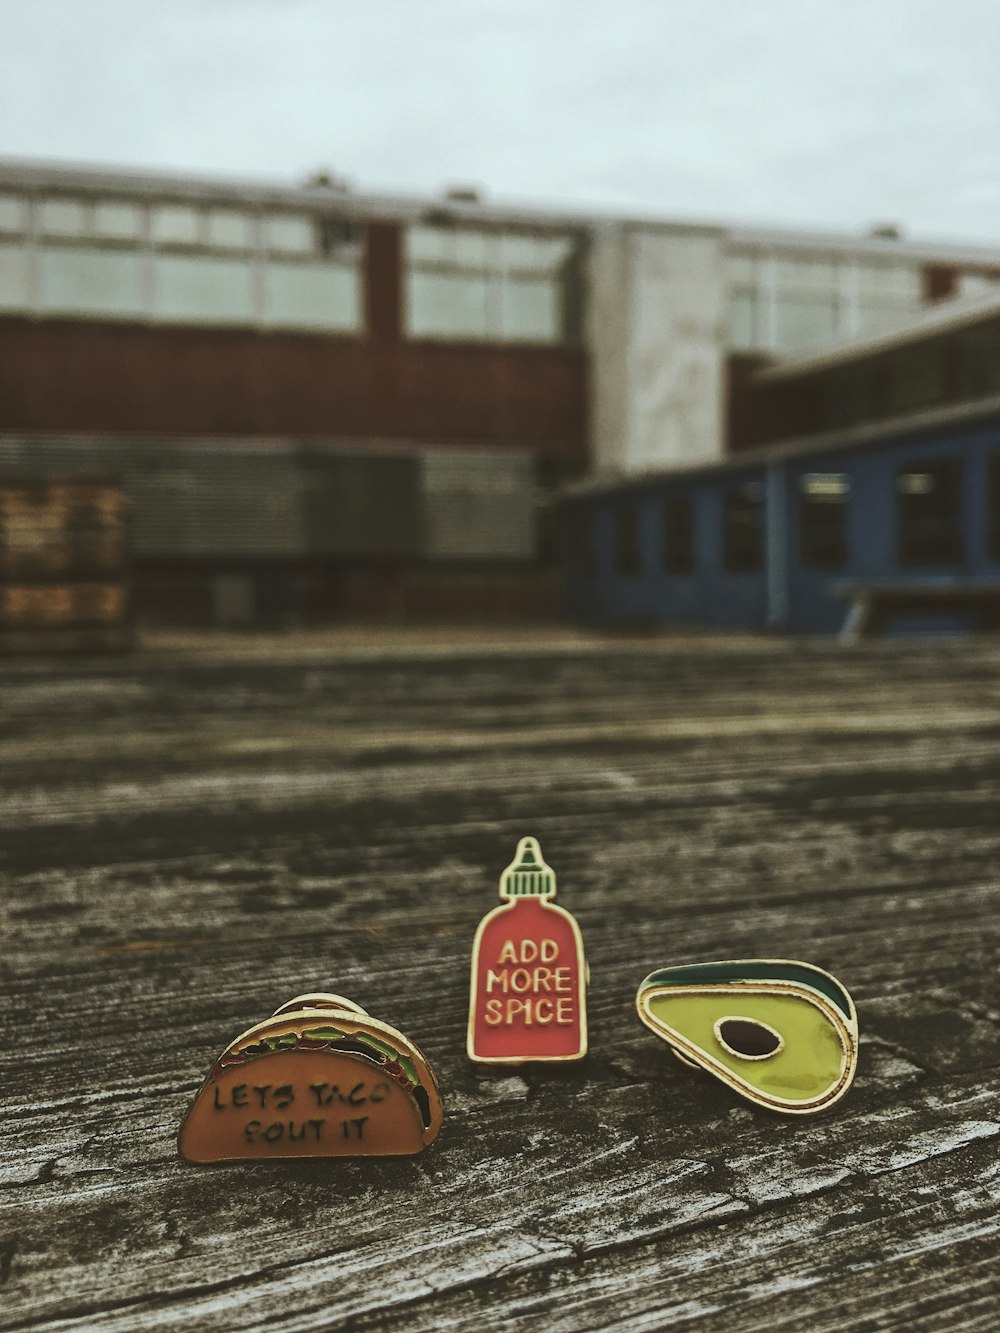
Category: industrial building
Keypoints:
(324, 403)
(880, 511)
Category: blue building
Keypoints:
(890, 522)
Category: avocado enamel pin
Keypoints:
(782, 1034)
(319, 1078)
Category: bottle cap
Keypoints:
(528, 875)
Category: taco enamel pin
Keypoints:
(782, 1034)
(320, 1078)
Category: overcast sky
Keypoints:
(835, 113)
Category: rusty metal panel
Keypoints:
(196, 500)
(42, 457)
(259, 499)
(480, 504)
(210, 498)
(363, 504)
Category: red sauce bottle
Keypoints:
(529, 975)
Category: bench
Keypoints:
(873, 600)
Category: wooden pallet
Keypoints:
(63, 554)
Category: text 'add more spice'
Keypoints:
(529, 975)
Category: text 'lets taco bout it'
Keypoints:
(319, 1078)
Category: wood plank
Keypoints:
(188, 842)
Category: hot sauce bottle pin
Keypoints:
(529, 975)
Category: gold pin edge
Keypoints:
(703, 1060)
(851, 1018)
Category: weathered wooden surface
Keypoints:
(186, 844)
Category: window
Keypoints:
(117, 221)
(483, 285)
(289, 234)
(14, 276)
(807, 302)
(804, 320)
(581, 538)
(529, 309)
(316, 281)
(916, 378)
(627, 560)
(229, 229)
(928, 508)
(979, 362)
(62, 217)
(854, 394)
(175, 225)
(744, 334)
(891, 280)
(77, 280)
(441, 305)
(748, 275)
(202, 288)
(677, 535)
(977, 284)
(13, 213)
(741, 267)
(312, 295)
(815, 272)
(823, 499)
(336, 235)
(889, 293)
(440, 245)
(993, 520)
(525, 253)
(204, 266)
(743, 528)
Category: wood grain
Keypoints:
(186, 842)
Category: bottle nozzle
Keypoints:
(528, 875)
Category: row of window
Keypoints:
(462, 282)
(873, 277)
(216, 265)
(779, 301)
(825, 273)
(798, 321)
(963, 366)
(742, 535)
(929, 530)
(494, 286)
(120, 222)
(199, 288)
(447, 247)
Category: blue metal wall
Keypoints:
(785, 594)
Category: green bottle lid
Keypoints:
(528, 875)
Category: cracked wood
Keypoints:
(186, 842)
